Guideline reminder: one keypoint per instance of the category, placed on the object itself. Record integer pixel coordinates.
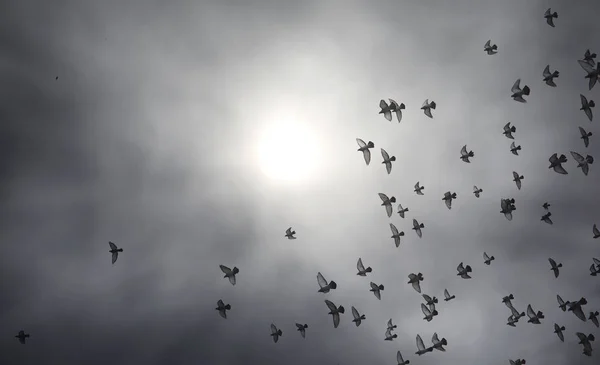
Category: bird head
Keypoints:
(435, 312)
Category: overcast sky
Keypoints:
(149, 139)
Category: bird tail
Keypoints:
(370, 144)
(471, 154)
(420, 276)
(594, 273)
(526, 90)
(513, 129)
(333, 284)
(421, 225)
(279, 333)
(454, 194)
(559, 265)
(393, 158)
(555, 74)
(381, 287)
(494, 47)
(555, 15)
(444, 342)
(511, 296)
(393, 199)
(293, 232)
(432, 105)
(236, 270)
(435, 300)
(228, 306)
(368, 269)
(590, 337)
(540, 315)
(522, 314)
(468, 268)
(402, 106)
(341, 309)
(305, 326)
(592, 104)
(589, 159)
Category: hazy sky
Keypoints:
(151, 138)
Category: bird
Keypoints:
(387, 203)
(515, 149)
(390, 325)
(387, 160)
(448, 197)
(447, 296)
(506, 208)
(489, 48)
(509, 130)
(396, 235)
(511, 321)
(358, 318)
(417, 227)
(400, 360)
(586, 342)
(376, 289)
(428, 313)
(550, 76)
(488, 259)
(223, 308)
(596, 231)
(386, 109)
(290, 234)
(22, 336)
(429, 300)
(56, 78)
(559, 332)
(365, 149)
(464, 155)
(325, 286)
(229, 273)
(587, 106)
(554, 266)
(389, 336)
(361, 268)
(397, 108)
(533, 316)
(427, 107)
(550, 16)
(577, 308)
(546, 205)
(546, 218)
(592, 73)
(515, 313)
(421, 349)
(401, 210)
(589, 57)
(556, 163)
(419, 189)
(477, 191)
(507, 300)
(415, 280)
(437, 343)
(275, 333)
(583, 162)
(463, 271)
(517, 362)
(561, 303)
(114, 250)
(585, 135)
(595, 269)
(518, 93)
(302, 329)
(517, 179)
(335, 312)
(594, 318)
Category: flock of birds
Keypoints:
(507, 206)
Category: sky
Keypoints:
(194, 133)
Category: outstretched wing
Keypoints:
(516, 88)
(330, 305)
(361, 143)
(112, 246)
(546, 72)
(115, 256)
(420, 344)
(360, 266)
(425, 310)
(463, 151)
(225, 269)
(321, 280)
(579, 158)
(355, 313)
(589, 68)
(385, 155)
(417, 286)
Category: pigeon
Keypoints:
(515, 149)
(554, 267)
(290, 234)
(594, 318)
(229, 273)
(507, 300)
(477, 191)
(419, 189)
(464, 155)
(421, 347)
(429, 300)
(401, 210)
(376, 289)
(417, 227)
(438, 344)
(508, 131)
(276, 333)
(22, 336)
(358, 318)
(463, 271)
(577, 309)
(515, 313)
(559, 332)
(56, 78)
(389, 336)
(387, 203)
(223, 308)
(364, 148)
(550, 76)
(386, 109)
(488, 259)
(550, 16)
(518, 93)
(396, 235)
(387, 160)
(556, 163)
(397, 108)
(561, 303)
(587, 106)
(546, 205)
(586, 342)
(585, 136)
(517, 179)
(428, 313)
(546, 218)
(427, 106)
(517, 362)
(115, 251)
(589, 57)
(302, 329)
(447, 296)
(594, 269)
(400, 360)
(415, 280)
(595, 231)
(361, 268)
(511, 321)
(325, 286)
(448, 197)
(335, 312)
(507, 207)
(390, 325)
(490, 49)
(533, 316)
(592, 73)
(583, 162)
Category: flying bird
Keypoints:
(577, 308)
(594, 269)
(427, 107)
(507, 300)
(386, 109)
(489, 48)
(585, 136)
(401, 210)
(488, 259)
(517, 362)
(421, 349)
(275, 333)
(596, 231)
(361, 268)
(364, 148)
(22, 336)
(419, 189)
(438, 344)
(511, 321)
(335, 312)
(415, 280)
(546, 218)
(550, 16)
(290, 234)
(518, 93)
(396, 235)
(464, 155)
(390, 325)
(586, 341)
(515, 313)
(428, 313)
(387, 160)
(587, 106)
(115, 251)
(397, 108)
(325, 286)
(448, 197)
(477, 191)
(223, 308)
(417, 227)
(533, 316)
(559, 332)
(389, 336)
(583, 162)
(358, 318)
(550, 76)
(400, 360)
(229, 274)
(509, 130)
(546, 205)
(556, 163)
(387, 203)
(561, 303)
(429, 300)
(589, 57)
(463, 271)
(447, 296)
(376, 289)
(592, 73)
(554, 267)
(302, 329)
(515, 149)
(507, 207)
(517, 179)
(594, 318)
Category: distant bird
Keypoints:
(507, 300)
(417, 227)
(387, 160)
(448, 197)
(421, 349)
(275, 333)
(325, 286)
(229, 273)
(427, 312)
(390, 325)
(546, 218)
(509, 130)
(488, 259)
(587, 106)
(401, 210)
(517, 179)
(115, 251)
(507, 206)
(554, 267)
(556, 163)
(335, 312)
(477, 191)
(22, 336)
(386, 109)
(222, 308)
(429, 300)
(290, 234)
(583, 162)
(438, 344)
(387, 203)
(419, 189)
(550, 76)
(302, 329)
(376, 289)
(427, 107)
(364, 148)
(463, 271)
(561, 303)
(489, 48)
(397, 108)
(595, 269)
(447, 296)
(592, 73)
(550, 16)
(515, 313)
(464, 155)
(517, 362)
(586, 341)
(577, 308)
(415, 280)
(400, 360)
(585, 136)
(361, 268)
(518, 93)
(515, 149)
(559, 332)
(589, 57)
(594, 318)
(389, 336)
(546, 206)
(596, 231)
(358, 318)
(396, 235)
(533, 316)
(56, 78)
(511, 321)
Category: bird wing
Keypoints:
(546, 72)
(220, 303)
(367, 156)
(561, 170)
(330, 305)
(115, 256)
(399, 358)
(385, 155)
(389, 209)
(225, 269)
(589, 68)
(578, 312)
(427, 298)
(359, 265)
(420, 344)
(232, 279)
(361, 143)
(552, 263)
(446, 294)
(427, 112)
(223, 313)
(530, 312)
(321, 280)
(448, 203)
(425, 103)
(463, 151)
(384, 198)
(584, 101)
(417, 286)
(485, 256)
(547, 13)
(583, 132)
(460, 267)
(394, 229)
(112, 246)
(596, 232)
(383, 105)
(589, 113)
(516, 88)
(355, 313)
(488, 44)
(434, 339)
(336, 320)
(579, 158)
